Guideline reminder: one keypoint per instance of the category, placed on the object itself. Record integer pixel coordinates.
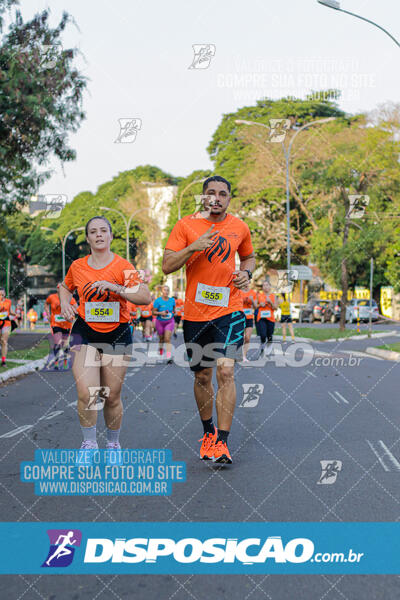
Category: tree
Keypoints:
(356, 159)
(126, 194)
(40, 103)
(256, 168)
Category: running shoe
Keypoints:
(113, 453)
(86, 453)
(169, 358)
(113, 446)
(208, 445)
(221, 454)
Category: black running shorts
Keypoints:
(206, 341)
(119, 338)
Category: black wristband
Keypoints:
(250, 274)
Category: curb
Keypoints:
(387, 354)
(34, 365)
(361, 337)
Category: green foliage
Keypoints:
(39, 104)
(231, 154)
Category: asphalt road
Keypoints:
(332, 403)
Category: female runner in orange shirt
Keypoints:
(103, 281)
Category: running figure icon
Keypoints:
(62, 549)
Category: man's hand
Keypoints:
(241, 279)
(204, 241)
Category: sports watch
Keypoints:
(250, 274)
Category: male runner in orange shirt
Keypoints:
(207, 243)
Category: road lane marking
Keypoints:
(16, 431)
(51, 415)
(344, 399)
(377, 456)
(392, 458)
(334, 397)
(312, 374)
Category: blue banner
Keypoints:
(151, 548)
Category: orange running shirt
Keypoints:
(80, 275)
(179, 304)
(212, 267)
(133, 311)
(54, 302)
(266, 311)
(146, 310)
(248, 306)
(5, 307)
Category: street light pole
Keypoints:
(335, 4)
(127, 223)
(179, 218)
(64, 242)
(286, 151)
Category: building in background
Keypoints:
(160, 197)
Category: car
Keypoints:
(331, 312)
(362, 307)
(295, 310)
(313, 309)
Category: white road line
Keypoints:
(377, 456)
(51, 415)
(341, 397)
(334, 397)
(312, 374)
(392, 458)
(73, 403)
(14, 432)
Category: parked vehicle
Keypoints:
(295, 310)
(313, 309)
(331, 312)
(363, 309)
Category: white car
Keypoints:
(362, 307)
(295, 310)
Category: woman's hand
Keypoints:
(69, 311)
(104, 286)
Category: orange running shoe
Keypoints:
(221, 454)
(208, 444)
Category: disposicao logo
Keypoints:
(191, 550)
(62, 547)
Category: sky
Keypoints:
(137, 54)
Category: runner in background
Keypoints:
(133, 317)
(179, 304)
(105, 283)
(60, 330)
(286, 316)
(5, 324)
(266, 304)
(249, 304)
(19, 312)
(207, 243)
(146, 319)
(163, 309)
(32, 317)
